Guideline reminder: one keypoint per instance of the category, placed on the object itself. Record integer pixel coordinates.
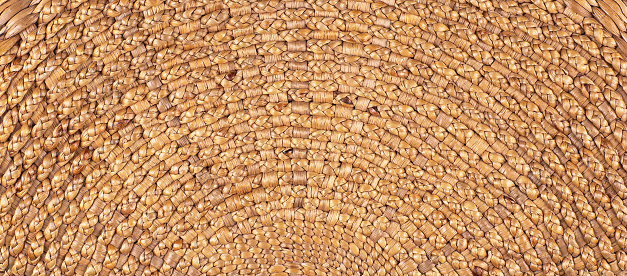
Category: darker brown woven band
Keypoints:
(327, 137)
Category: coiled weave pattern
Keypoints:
(319, 137)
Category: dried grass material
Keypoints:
(313, 137)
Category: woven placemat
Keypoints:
(319, 137)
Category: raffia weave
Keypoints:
(320, 137)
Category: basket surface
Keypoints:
(339, 137)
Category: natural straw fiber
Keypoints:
(319, 137)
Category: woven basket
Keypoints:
(326, 137)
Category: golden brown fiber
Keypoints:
(318, 137)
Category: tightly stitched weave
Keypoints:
(318, 137)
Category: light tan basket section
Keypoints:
(469, 137)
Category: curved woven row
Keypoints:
(313, 137)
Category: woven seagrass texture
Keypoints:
(468, 137)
